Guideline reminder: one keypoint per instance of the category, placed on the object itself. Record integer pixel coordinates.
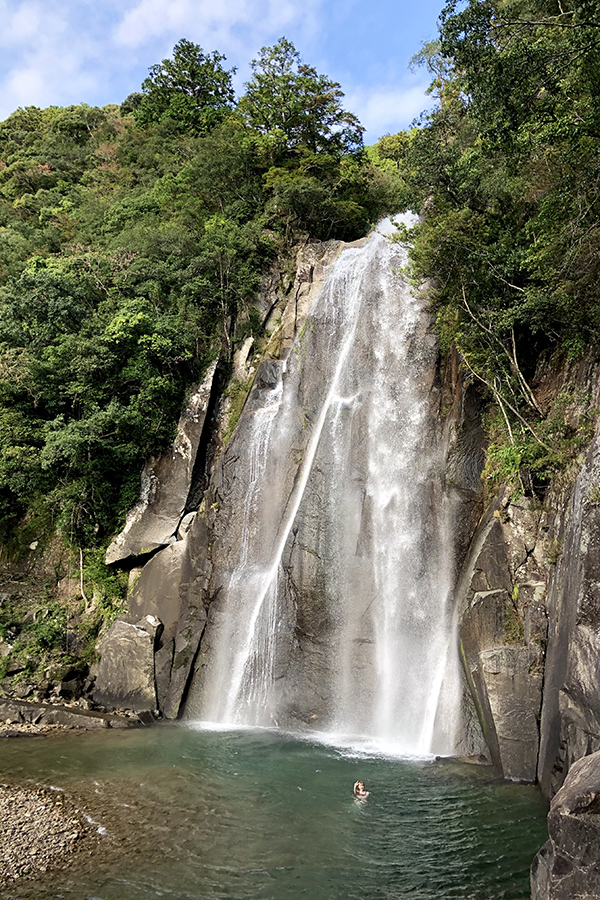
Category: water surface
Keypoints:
(258, 815)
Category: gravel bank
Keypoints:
(41, 829)
(17, 729)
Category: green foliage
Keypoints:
(34, 634)
(594, 495)
(108, 586)
(514, 627)
(506, 172)
(48, 629)
(300, 109)
(51, 634)
(554, 551)
(190, 92)
(523, 454)
(132, 240)
(237, 394)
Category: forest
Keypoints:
(506, 171)
(133, 240)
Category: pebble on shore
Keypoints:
(41, 829)
(11, 728)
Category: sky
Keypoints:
(58, 52)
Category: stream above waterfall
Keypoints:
(260, 815)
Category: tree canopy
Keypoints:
(192, 91)
(291, 102)
(507, 171)
(132, 244)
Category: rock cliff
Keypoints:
(527, 602)
(568, 865)
(171, 535)
(527, 564)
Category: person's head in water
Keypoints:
(359, 789)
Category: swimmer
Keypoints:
(359, 790)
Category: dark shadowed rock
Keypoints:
(514, 695)
(125, 673)
(465, 442)
(571, 711)
(568, 865)
(166, 481)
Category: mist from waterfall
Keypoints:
(352, 409)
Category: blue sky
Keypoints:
(99, 51)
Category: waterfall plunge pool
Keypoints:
(259, 815)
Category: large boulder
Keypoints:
(167, 481)
(172, 588)
(568, 865)
(125, 674)
(514, 694)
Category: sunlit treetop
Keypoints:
(288, 99)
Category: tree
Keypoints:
(130, 255)
(444, 84)
(290, 101)
(506, 170)
(526, 64)
(394, 147)
(192, 90)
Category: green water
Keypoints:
(195, 815)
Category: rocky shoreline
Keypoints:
(22, 716)
(41, 830)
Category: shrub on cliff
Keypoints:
(506, 170)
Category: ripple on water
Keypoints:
(203, 815)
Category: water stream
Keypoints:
(259, 815)
(343, 510)
(333, 621)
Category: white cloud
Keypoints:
(149, 19)
(25, 83)
(68, 51)
(388, 109)
(230, 23)
(25, 22)
(47, 59)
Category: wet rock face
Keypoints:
(465, 441)
(568, 865)
(308, 541)
(503, 634)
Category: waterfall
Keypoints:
(333, 607)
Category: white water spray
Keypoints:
(351, 418)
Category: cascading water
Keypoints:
(334, 607)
